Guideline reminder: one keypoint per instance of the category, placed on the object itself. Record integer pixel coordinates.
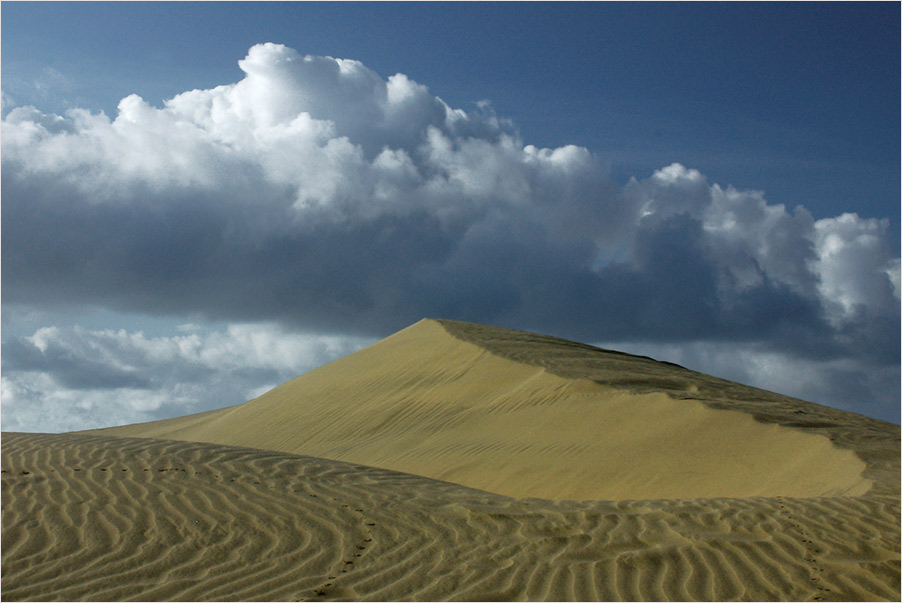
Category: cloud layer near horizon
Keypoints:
(316, 194)
(98, 378)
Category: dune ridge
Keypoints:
(428, 401)
(876, 442)
(103, 518)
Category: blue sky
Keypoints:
(800, 100)
(668, 227)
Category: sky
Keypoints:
(203, 200)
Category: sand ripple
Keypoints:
(98, 518)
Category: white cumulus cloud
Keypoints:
(319, 195)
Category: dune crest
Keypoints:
(479, 407)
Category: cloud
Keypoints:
(62, 379)
(318, 195)
(845, 383)
(312, 190)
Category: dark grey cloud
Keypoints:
(380, 274)
(319, 195)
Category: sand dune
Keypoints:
(425, 401)
(87, 517)
(571, 473)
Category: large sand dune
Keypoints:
(577, 473)
(427, 402)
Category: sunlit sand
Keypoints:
(465, 462)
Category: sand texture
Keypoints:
(454, 461)
(88, 517)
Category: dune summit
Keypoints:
(531, 416)
(454, 461)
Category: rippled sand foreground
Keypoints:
(98, 518)
(570, 473)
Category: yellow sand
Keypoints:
(693, 488)
(424, 402)
(118, 519)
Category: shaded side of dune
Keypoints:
(97, 518)
(876, 442)
(423, 401)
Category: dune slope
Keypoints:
(103, 518)
(532, 416)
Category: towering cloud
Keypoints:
(315, 193)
